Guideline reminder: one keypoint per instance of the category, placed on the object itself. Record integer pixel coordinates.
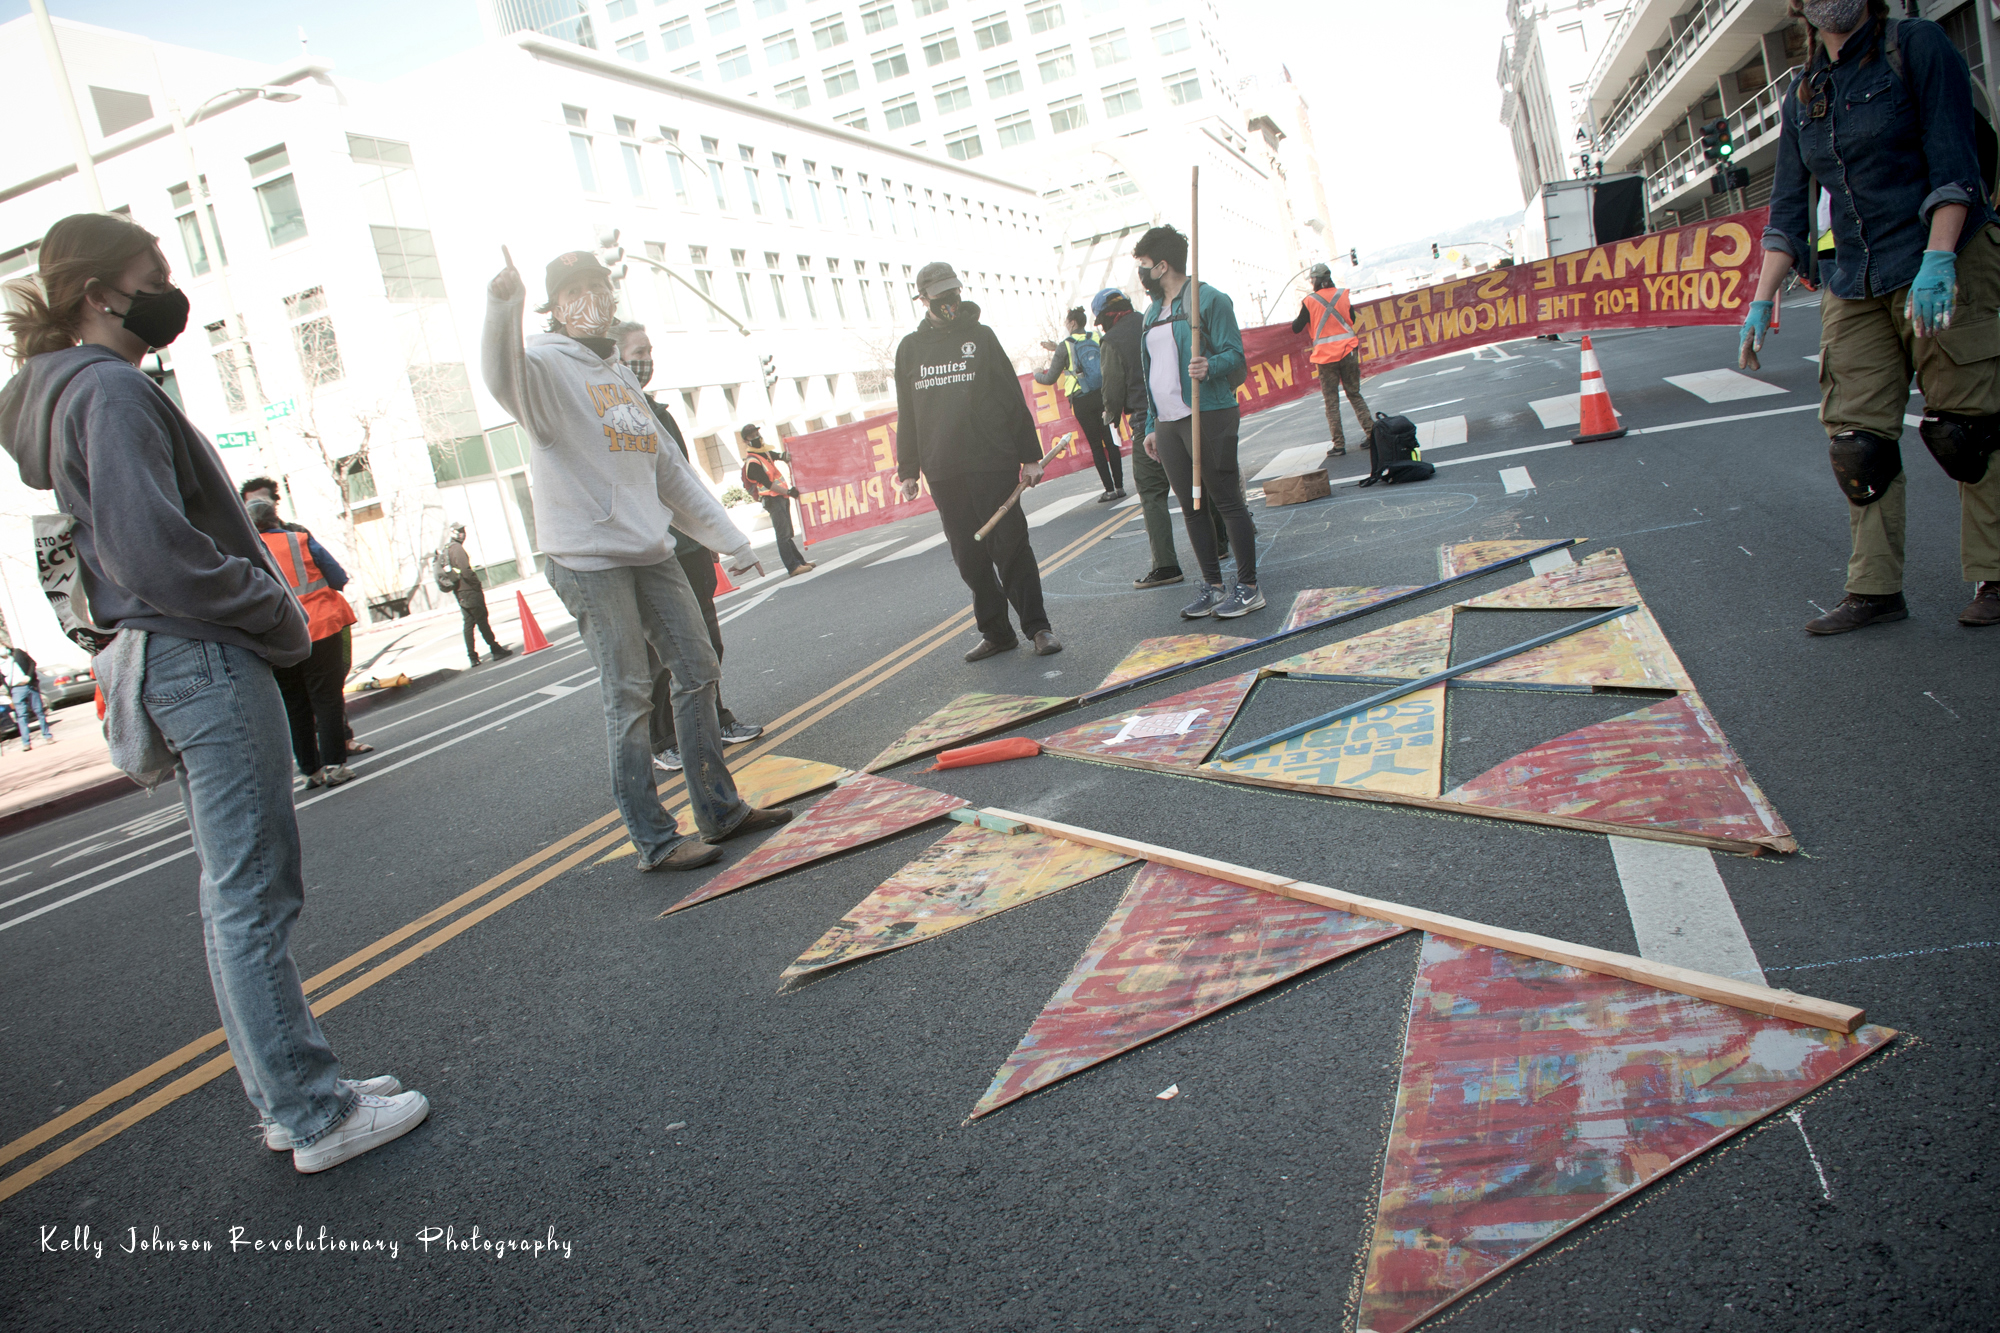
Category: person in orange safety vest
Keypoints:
(769, 486)
(312, 689)
(1336, 353)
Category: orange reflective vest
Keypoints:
(1332, 331)
(327, 612)
(775, 489)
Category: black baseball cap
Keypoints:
(566, 268)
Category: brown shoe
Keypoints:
(757, 821)
(806, 568)
(1858, 609)
(1984, 608)
(988, 648)
(1046, 645)
(686, 855)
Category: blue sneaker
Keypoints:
(1205, 605)
(1243, 599)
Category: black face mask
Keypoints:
(945, 311)
(1154, 287)
(642, 371)
(156, 318)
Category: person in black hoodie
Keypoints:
(962, 423)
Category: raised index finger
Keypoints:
(509, 258)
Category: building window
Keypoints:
(1121, 99)
(750, 184)
(618, 10)
(890, 64)
(677, 34)
(1066, 115)
(839, 298)
(841, 80)
(806, 282)
(1004, 80)
(182, 199)
(1183, 87)
(829, 33)
(690, 72)
(867, 302)
(634, 48)
(733, 64)
(1962, 27)
(778, 294)
(673, 158)
(1110, 48)
(769, 9)
(278, 196)
(853, 120)
(992, 31)
(874, 18)
(940, 47)
(1171, 37)
(1018, 128)
(312, 337)
(723, 18)
(921, 8)
(952, 96)
(1057, 64)
(785, 197)
(628, 153)
(781, 49)
(743, 285)
(963, 145)
(1042, 17)
(794, 94)
(901, 112)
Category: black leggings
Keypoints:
(1221, 486)
(315, 706)
(1088, 409)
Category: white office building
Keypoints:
(1100, 106)
(336, 241)
(1544, 74)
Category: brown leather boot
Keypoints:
(1984, 608)
(1858, 609)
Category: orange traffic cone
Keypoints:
(722, 583)
(532, 638)
(1599, 421)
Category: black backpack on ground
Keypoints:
(1392, 453)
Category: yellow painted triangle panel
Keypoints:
(1461, 556)
(1397, 747)
(1158, 654)
(1404, 650)
(1318, 603)
(1599, 580)
(770, 779)
(1629, 652)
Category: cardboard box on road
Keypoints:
(1296, 490)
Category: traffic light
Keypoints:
(1729, 178)
(1354, 258)
(611, 254)
(1434, 249)
(1716, 143)
(770, 365)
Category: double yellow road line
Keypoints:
(405, 945)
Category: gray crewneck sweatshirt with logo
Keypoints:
(606, 492)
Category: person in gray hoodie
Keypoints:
(201, 614)
(606, 496)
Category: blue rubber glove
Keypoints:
(1757, 326)
(1932, 293)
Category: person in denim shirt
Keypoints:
(1881, 118)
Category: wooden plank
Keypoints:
(1684, 981)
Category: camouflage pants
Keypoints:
(1335, 376)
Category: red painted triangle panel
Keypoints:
(966, 718)
(1179, 947)
(1667, 766)
(1535, 1096)
(864, 809)
(1166, 735)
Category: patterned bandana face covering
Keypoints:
(1837, 16)
(588, 313)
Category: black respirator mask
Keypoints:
(155, 318)
(945, 309)
(1154, 287)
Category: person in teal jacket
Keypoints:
(1170, 374)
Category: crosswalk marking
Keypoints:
(1441, 434)
(1057, 508)
(1681, 910)
(1565, 410)
(930, 543)
(1722, 386)
(1516, 480)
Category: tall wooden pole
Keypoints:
(1194, 320)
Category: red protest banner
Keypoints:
(1700, 274)
(847, 475)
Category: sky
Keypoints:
(1404, 104)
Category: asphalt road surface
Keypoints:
(709, 1153)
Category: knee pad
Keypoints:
(1864, 465)
(1962, 445)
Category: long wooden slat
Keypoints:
(1683, 981)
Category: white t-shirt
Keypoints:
(1165, 376)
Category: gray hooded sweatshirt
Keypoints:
(605, 490)
(166, 542)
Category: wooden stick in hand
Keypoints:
(1019, 488)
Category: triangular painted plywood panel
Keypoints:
(969, 873)
(1459, 557)
(1179, 947)
(1404, 650)
(1173, 745)
(864, 809)
(1158, 654)
(767, 780)
(1313, 604)
(1628, 652)
(1534, 1096)
(965, 718)
(1666, 766)
(1396, 747)
(1599, 580)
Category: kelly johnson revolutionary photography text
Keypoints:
(87, 1242)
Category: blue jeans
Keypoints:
(27, 697)
(618, 612)
(221, 713)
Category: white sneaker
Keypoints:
(373, 1122)
(279, 1139)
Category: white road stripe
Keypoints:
(1722, 386)
(859, 553)
(1564, 411)
(1516, 480)
(1057, 508)
(1431, 406)
(1549, 562)
(1442, 433)
(930, 543)
(1681, 912)
(1717, 421)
